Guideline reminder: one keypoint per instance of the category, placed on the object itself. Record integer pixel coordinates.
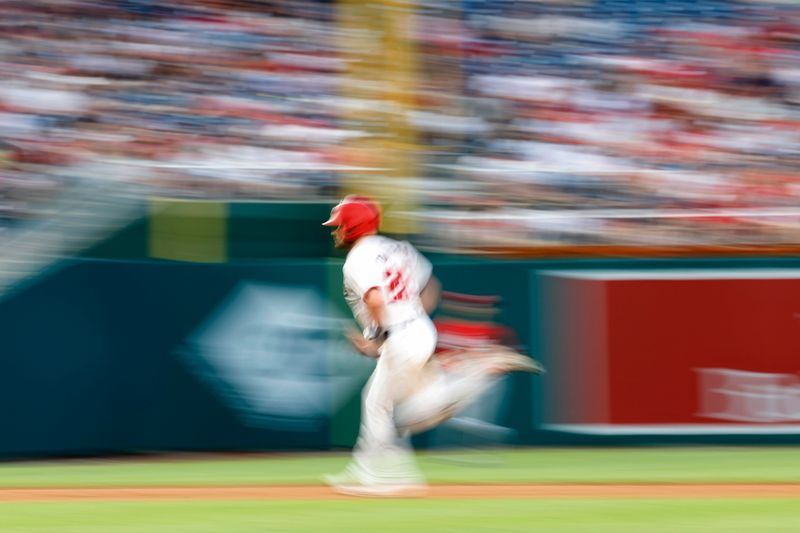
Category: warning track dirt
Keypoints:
(481, 491)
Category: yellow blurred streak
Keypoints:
(382, 64)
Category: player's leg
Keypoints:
(444, 393)
(380, 455)
(383, 462)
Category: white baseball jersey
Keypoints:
(396, 268)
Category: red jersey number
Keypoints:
(395, 285)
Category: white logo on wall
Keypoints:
(276, 355)
(743, 396)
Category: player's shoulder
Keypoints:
(373, 249)
(372, 245)
(366, 249)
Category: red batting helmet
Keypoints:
(355, 216)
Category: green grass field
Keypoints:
(612, 465)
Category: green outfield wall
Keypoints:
(236, 344)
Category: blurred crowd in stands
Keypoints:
(539, 122)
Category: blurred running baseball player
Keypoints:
(391, 290)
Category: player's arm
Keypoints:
(376, 306)
(364, 346)
(369, 343)
(430, 294)
(431, 288)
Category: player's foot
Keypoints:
(494, 359)
(349, 483)
(347, 477)
(505, 359)
(382, 490)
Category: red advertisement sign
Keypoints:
(682, 351)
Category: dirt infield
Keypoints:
(317, 492)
